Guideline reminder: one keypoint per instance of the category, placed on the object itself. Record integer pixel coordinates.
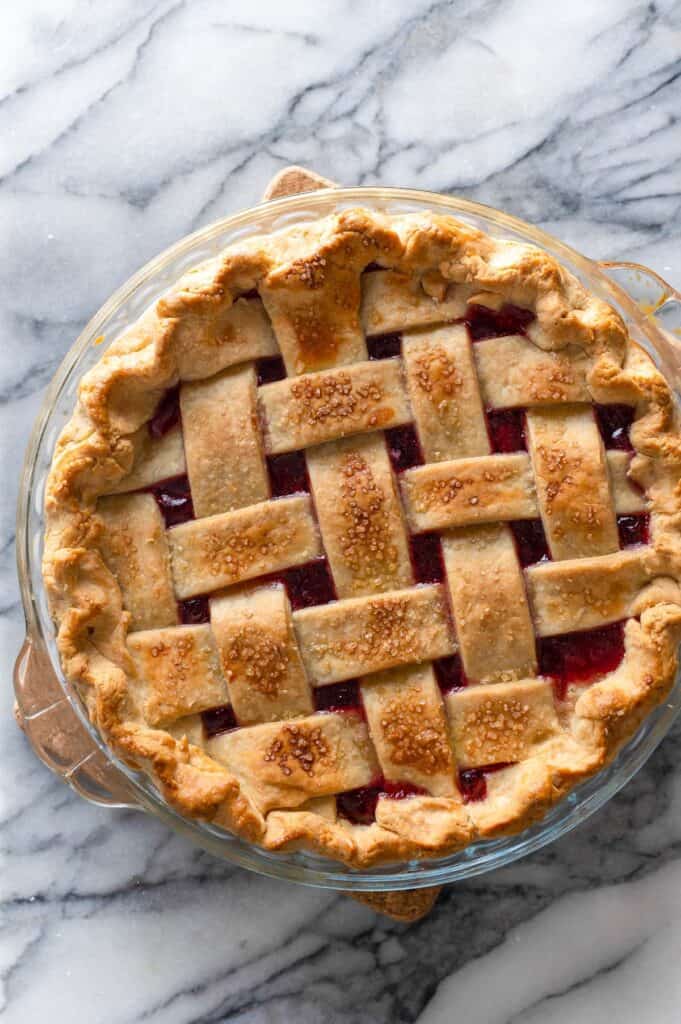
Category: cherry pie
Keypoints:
(365, 538)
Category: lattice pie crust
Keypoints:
(402, 711)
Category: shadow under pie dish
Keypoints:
(364, 538)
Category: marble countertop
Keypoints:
(127, 124)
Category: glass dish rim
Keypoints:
(479, 857)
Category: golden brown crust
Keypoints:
(445, 394)
(496, 637)
(309, 280)
(259, 656)
(306, 410)
(409, 728)
(360, 516)
(487, 489)
(367, 634)
(219, 422)
(231, 547)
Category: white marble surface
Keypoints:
(126, 124)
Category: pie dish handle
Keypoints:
(656, 299)
(58, 736)
(61, 741)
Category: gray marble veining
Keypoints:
(126, 125)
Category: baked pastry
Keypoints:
(364, 539)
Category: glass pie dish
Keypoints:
(49, 708)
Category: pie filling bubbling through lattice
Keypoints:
(565, 659)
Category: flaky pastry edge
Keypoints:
(119, 395)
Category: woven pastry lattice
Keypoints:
(381, 552)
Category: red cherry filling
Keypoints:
(450, 674)
(581, 657)
(472, 784)
(219, 720)
(194, 611)
(174, 499)
(309, 584)
(473, 781)
(339, 697)
(269, 370)
(167, 413)
(530, 541)
(634, 530)
(426, 558)
(483, 322)
(384, 346)
(506, 428)
(614, 423)
(404, 448)
(359, 805)
(288, 474)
